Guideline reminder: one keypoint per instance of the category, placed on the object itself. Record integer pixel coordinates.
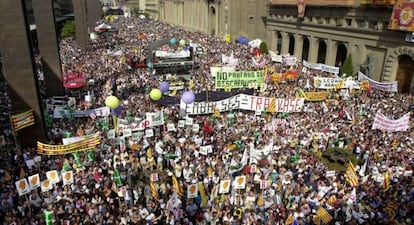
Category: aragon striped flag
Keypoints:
(272, 106)
(324, 215)
(22, 120)
(351, 175)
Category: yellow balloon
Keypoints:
(155, 94)
(112, 102)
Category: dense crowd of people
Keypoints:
(116, 184)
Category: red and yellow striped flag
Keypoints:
(324, 215)
(22, 120)
(272, 106)
(351, 175)
(178, 188)
(386, 184)
(154, 191)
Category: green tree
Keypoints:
(68, 29)
(348, 67)
(263, 48)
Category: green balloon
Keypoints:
(155, 94)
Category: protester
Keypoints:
(150, 179)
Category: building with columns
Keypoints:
(332, 29)
(214, 17)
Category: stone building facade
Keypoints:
(214, 17)
(330, 30)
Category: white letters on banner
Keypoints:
(383, 123)
(166, 54)
(384, 86)
(289, 60)
(245, 102)
(102, 111)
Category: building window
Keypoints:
(373, 25)
(348, 22)
(361, 23)
(339, 22)
(319, 20)
(251, 19)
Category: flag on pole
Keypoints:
(351, 175)
(324, 215)
(272, 106)
(386, 184)
(178, 188)
(48, 217)
(154, 191)
(117, 178)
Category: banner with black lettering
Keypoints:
(244, 102)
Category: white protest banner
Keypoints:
(127, 132)
(384, 86)
(196, 127)
(149, 133)
(181, 123)
(203, 151)
(330, 173)
(224, 187)
(46, 185)
(34, 181)
(102, 111)
(332, 83)
(206, 149)
(67, 178)
(167, 54)
(275, 57)
(189, 121)
(71, 140)
(152, 119)
(22, 186)
(240, 182)
(136, 136)
(192, 191)
(322, 67)
(314, 66)
(171, 127)
(111, 134)
(245, 102)
(53, 176)
(263, 184)
(383, 123)
(289, 60)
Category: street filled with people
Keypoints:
(262, 156)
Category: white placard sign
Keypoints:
(171, 127)
(149, 133)
(189, 121)
(181, 123)
(196, 127)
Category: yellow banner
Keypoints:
(227, 38)
(86, 144)
(316, 96)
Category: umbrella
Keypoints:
(242, 40)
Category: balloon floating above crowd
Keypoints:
(164, 86)
(182, 42)
(173, 41)
(150, 65)
(155, 94)
(188, 97)
(112, 102)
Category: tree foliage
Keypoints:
(348, 67)
(263, 48)
(68, 29)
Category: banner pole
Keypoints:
(14, 134)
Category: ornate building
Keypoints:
(214, 17)
(331, 29)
